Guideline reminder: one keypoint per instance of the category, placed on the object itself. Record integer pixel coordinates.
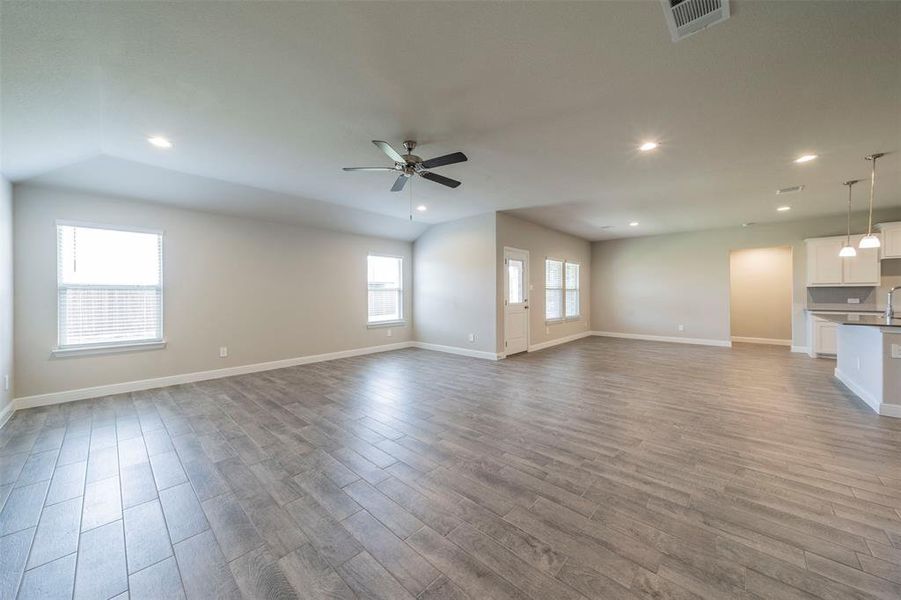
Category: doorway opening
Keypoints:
(516, 300)
(760, 295)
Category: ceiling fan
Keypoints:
(408, 165)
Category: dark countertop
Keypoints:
(867, 320)
(844, 309)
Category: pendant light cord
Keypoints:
(873, 158)
(850, 184)
(872, 195)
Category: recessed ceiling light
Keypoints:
(159, 141)
(806, 158)
(784, 208)
(647, 146)
(633, 224)
(421, 208)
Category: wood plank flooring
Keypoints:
(599, 469)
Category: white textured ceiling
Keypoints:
(548, 100)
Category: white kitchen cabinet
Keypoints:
(826, 268)
(862, 269)
(824, 334)
(891, 239)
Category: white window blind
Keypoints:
(109, 286)
(553, 289)
(386, 293)
(572, 291)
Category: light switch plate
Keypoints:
(896, 350)
(223, 351)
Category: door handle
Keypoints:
(525, 307)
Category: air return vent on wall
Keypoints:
(687, 17)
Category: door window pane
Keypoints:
(515, 269)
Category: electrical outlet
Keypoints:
(896, 352)
(389, 333)
(681, 327)
(223, 351)
(472, 337)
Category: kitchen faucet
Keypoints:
(889, 312)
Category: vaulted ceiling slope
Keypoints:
(549, 101)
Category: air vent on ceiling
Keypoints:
(687, 17)
(791, 190)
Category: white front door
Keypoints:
(516, 300)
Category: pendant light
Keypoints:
(870, 240)
(848, 250)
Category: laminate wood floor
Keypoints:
(599, 469)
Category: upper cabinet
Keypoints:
(827, 269)
(891, 239)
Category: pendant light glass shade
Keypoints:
(870, 240)
(847, 251)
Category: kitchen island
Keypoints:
(869, 359)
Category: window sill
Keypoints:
(553, 321)
(575, 318)
(106, 349)
(381, 324)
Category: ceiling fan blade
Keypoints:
(447, 159)
(399, 183)
(369, 169)
(451, 183)
(391, 152)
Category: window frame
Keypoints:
(401, 290)
(562, 289)
(105, 347)
(578, 289)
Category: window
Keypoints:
(572, 290)
(561, 290)
(553, 290)
(109, 286)
(386, 289)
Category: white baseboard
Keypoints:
(890, 410)
(457, 350)
(157, 382)
(664, 338)
(558, 341)
(879, 407)
(756, 340)
(801, 349)
(7, 412)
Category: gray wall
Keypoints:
(649, 285)
(542, 243)
(455, 284)
(268, 291)
(6, 292)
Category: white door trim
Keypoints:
(526, 293)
